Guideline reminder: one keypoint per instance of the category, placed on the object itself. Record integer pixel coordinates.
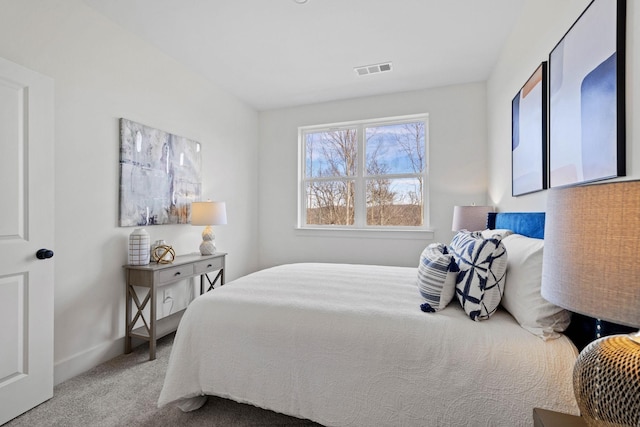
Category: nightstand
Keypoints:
(546, 418)
(153, 276)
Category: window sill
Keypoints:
(422, 234)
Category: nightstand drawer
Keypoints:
(175, 273)
(208, 265)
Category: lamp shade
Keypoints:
(590, 266)
(208, 213)
(591, 254)
(472, 218)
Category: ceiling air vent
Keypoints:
(373, 69)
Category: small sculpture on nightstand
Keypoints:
(162, 253)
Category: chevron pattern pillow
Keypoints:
(481, 279)
(437, 273)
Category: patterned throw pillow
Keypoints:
(480, 282)
(437, 273)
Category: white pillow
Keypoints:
(522, 296)
(436, 277)
(500, 232)
(480, 282)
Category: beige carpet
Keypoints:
(124, 391)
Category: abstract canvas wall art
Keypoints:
(586, 95)
(160, 175)
(529, 135)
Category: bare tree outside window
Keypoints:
(331, 158)
(395, 166)
(388, 181)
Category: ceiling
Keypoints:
(278, 53)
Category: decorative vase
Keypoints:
(156, 244)
(139, 248)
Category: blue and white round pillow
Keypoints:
(482, 276)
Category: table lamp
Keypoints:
(471, 218)
(591, 266)
(208, 213)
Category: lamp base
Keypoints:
(207, 247)
(606, 381)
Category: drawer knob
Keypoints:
(210, 265)
(177, 273)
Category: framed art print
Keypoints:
(529, 135)
(160, 175)
(586, 98)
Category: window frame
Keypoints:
(361, 177)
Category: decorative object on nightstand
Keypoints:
(471, 218)
(139, 247)
(208, 213)
(162, 253)
(155, 244)
(590, 266)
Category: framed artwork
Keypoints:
(587, 99)
(529, 135)
(160, 175)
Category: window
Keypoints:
(364, 175)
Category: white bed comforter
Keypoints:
(347, 345)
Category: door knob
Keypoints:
(44, 253)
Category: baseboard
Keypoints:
(82, 362)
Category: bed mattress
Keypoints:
(347, 345)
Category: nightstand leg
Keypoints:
(127, 331)
(219, 276)
(152, 324)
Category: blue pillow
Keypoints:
(481, 279)
(437, 273)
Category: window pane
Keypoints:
(330, 202)
(331, 153)
(395, 149)
(395, 202)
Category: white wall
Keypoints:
(103, 73)
(542, 25)
(457, 160)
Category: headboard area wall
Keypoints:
(583, 329)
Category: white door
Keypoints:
(26, 225)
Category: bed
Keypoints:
(348, 345)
